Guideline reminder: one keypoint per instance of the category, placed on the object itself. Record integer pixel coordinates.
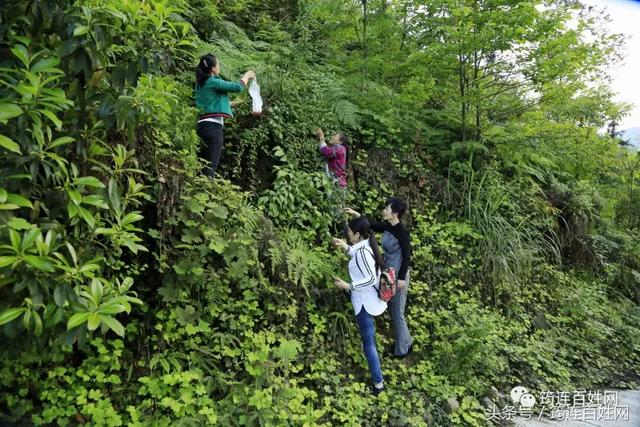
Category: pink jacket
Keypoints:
(336, 156)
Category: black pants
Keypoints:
(212, 136)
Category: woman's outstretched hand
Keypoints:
(249, 75)
(351, 212)
(340, 283)
(339, 244)
(320, 134)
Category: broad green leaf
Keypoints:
(51, 116)
(39, 262)
(26, 319)
(135, 300)
(19, 224)
(114, 325)
(46, 65)
(37, 324)
(7, 260)
(72, 209)
(77, 319)
(89, 181)
(22, 39)
(131, 218)
(50, 237)
(107, 231)
(63, 140)
(114, 195)
(42, 247)
(80, 30)
(126, 283)
(89, 267)
(15, 240)
(72, 252)
(9, 111)
(18, 200)
(9, 144)
(133, 246)
(288, 349)
(96, 290)
(87, 216)
(112, 308)
(3, 195)
(93, 321)
(27, 91)
(95, 200)
(75, 196)
(22, 54)
(11, 313)
(218, 244)
(52, 315)
(60, 294)
(220, 211)
(29, 237)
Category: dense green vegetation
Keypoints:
(133, 291)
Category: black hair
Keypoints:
(398, 206)
(343, 138)
(203, 70)
(361, 225)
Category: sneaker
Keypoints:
(376, 391)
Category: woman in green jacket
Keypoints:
(212, 101)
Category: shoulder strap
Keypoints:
(379, 269)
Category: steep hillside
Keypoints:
(136, 291)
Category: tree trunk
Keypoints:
(404, 25)
(463, 102)
(365, 52)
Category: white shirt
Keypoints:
(364, 279)
(213, 119)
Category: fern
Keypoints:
(347, 112)
(296, 263)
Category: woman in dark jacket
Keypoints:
(396, 246)
(212, 101)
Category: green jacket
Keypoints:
(212, 99)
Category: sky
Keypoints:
(625, 18)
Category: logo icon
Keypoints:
(517, 392)
(520, 395)
(527, 401)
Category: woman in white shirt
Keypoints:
(364, 271)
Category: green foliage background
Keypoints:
(133, 291)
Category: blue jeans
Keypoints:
(367, 327)
(403, 339)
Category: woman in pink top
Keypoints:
(336, 155)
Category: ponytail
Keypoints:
(377, 255)
(204, 68)
(361, 225)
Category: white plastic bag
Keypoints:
(254, 92)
